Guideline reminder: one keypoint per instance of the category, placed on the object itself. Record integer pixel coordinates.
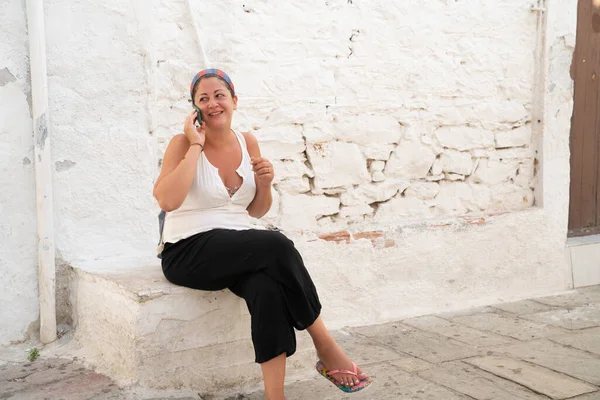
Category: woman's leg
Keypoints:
(274, 376)
(224, 258)
(272, 334)
(330, 353)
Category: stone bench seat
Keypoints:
(140, 329)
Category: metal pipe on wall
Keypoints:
(43, 170)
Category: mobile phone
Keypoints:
(198, 116)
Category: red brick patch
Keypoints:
(338, 237)
(377, 238)
(368, 235)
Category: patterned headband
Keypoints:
(213, 71)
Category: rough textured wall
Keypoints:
(99, 117)
(378, 115)
(18, 241)
(370, 110)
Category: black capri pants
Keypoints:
(262, 267)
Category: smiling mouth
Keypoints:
(215, 114)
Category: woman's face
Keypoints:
(214, 100)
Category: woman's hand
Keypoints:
(192, 133)
(263, 170)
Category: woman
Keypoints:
(212, 179)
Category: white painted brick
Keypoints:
(501, 154)
(525, 175)
(460, 197)
(366, 130)
(291, 169)
(331, 191)
(434, 178)
(337, 164)
(378, 176)
(410, 160)
(494, 172)
(404, 207)
(501, 113)
(514, 137)
(482, 196)
(301, 211)
(423, 190)
(352, 197)
(377, 166)
(457, 162)
(507, 196)
(356, 211)
(438, 167)
(281, 142)
(464, 137)
(301, 185)
(376, 151)
(318, 133)
(512, 153)
(378, 192)
(373, 192)
(454, 177)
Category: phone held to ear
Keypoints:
(198, 116)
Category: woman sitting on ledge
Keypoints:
(213, 179)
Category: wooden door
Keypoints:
(584, 207)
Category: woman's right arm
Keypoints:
(178, 167)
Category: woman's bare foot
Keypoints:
(334, 358)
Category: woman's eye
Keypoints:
(220, 95)
(203, 99)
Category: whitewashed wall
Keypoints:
(395, 127)
(18, 240)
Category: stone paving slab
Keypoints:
(458, 331)
(468, 311)
(419, 358)
(513, 327)
(543, 352)
(424, 345)
(589, 396)
(47, 373)
(477, 384)
(365, 351)
(524, 307)
(390, 383)
(412, 364)
(83, 387)
(573, 318)
(539, 379)
(587, 340)
(580, 297)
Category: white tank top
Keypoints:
(208, 205)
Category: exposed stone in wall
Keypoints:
(345, 75)
(337, 164)
(358, 131)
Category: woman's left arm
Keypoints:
(263, 176)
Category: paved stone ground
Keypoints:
(543, 348)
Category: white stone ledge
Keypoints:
(139, 328)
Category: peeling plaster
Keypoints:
(6, 77)
(42, 131)
(64, 165)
